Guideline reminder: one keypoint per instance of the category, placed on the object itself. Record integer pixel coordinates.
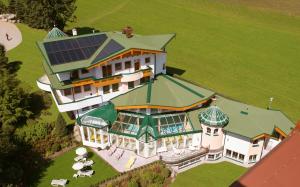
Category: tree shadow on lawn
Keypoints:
(34, 164)
(90, 154)
(83, 30)
(174, 71)
(14, 66)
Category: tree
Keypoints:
(2, 7)
(14, 105)
(17, 7)
(60, 126)
(54, 12)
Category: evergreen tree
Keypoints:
(44, 14)
(14, 105)
(2, 7)
(60, 126)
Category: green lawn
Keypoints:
(61, 168)
(209, 175)
(245, 53)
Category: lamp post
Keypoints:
(270, 102)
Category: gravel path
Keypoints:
(10, 35)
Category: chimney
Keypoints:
(128, 31)
(74, 32)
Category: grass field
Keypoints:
(61, 168)
(248, 54)
(212, 175)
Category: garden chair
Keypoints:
(130, 162)
(78, 158)
(88, 163)
(59, 182)
(87, 173)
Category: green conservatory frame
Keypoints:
(149, 126)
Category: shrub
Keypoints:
(55, 147)
(133, 183)
(60, 126)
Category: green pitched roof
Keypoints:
(106, 113)
(213, 116)
(148, 127)
(164, 91)
(247, 120)
(55, 33)
(152, 42)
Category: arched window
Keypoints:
(216, 131)
(208, 130)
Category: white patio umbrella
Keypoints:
(81, 151)
(78, 166)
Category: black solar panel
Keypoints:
(74, 49)
(111, 48)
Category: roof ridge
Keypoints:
(149, 91)
(183, 86)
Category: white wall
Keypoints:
(161, 60)
(63, 76)
(212, 141)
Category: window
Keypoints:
(85, 109)
(234, 154)
(255, 143)
(147, 60)
(67, 91)
(215, 131)
(115, 87)
(95, 106)
(208, 130)
(144, 80)
(218, 155)
(131, 85)
(211, 156)
(252, 158)
(241, 156)
(84, 71)
(164, 66)
(118, 66)
(77, 89)
(106, 89)
(228, 152)
(127, 64)
(106, 71)
(87, 87)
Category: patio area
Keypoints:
(128, 158)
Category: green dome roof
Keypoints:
(55, 33)
(213, 116)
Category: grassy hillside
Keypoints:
(248, 54)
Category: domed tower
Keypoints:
(213, 120)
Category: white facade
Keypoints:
(82, 101)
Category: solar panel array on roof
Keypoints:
(75, 49)
(111, 48)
